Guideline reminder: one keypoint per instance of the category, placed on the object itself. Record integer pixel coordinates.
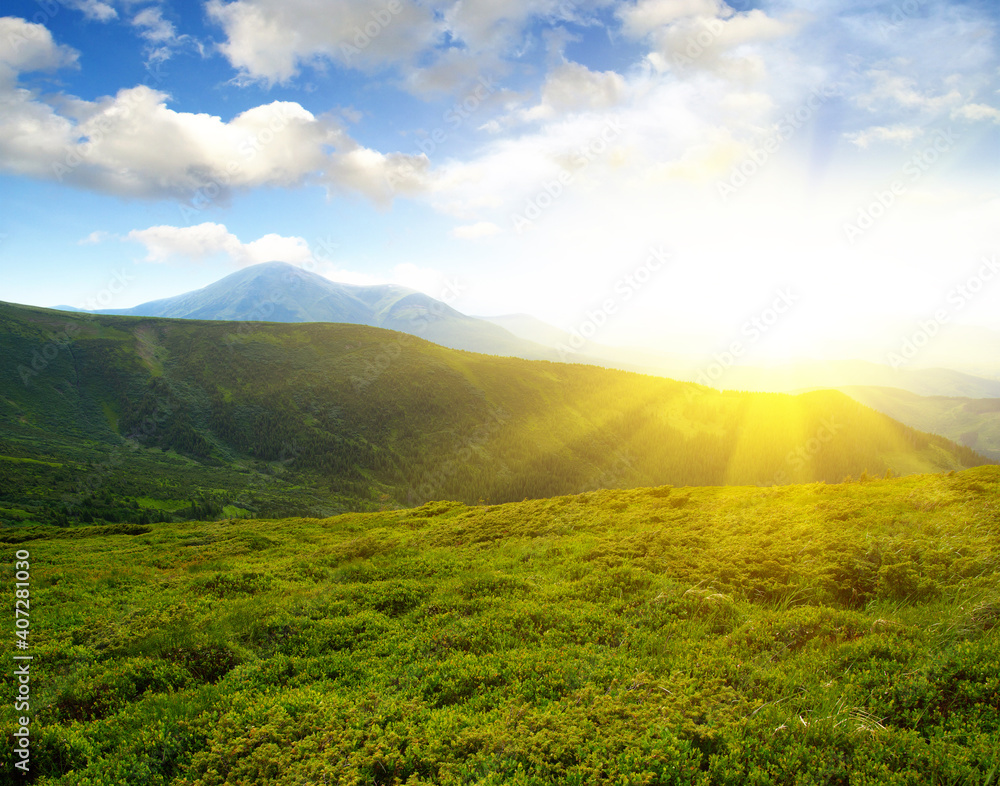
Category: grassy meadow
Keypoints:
(811, 634)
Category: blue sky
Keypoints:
(529, 155)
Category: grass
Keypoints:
(804, 634)
(21, 460)
(162, 504)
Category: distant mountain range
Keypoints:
(974, 422)
(280, 292)
(787, 378)
(842, 373)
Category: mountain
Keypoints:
(974, 422)
(843, 373)
(266, 417)
(531, 329)
(279, 292)
(782, 378)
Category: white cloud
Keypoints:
(94, 10)
(276, 248)
(889, 88)
(97, 236)
(704, 35)
(26, 46)
(572, 87)
(977, 112)
(477, 231)
(648, 16)
(115, 144)
(161, 36)
(378, 176)
(271, 40)
(898, 134)
(437, 46)
(164, 243)
(154, 28)
(447, 73)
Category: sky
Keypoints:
(811, 178)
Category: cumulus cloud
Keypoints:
(94, 10)
(271, 40)
(165, 243)
(703, 35)
(153, 27)
(436, 47)
(892, 89)
(648, 16)
(976, 112)
(115, 144)
(573, 87)
(26, 46)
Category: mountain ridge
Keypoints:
(973, 422)
(281, 292)
(272, 417)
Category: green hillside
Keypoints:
(132, 420)
(974, 422)
(820, 634)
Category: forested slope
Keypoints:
(346, 416)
